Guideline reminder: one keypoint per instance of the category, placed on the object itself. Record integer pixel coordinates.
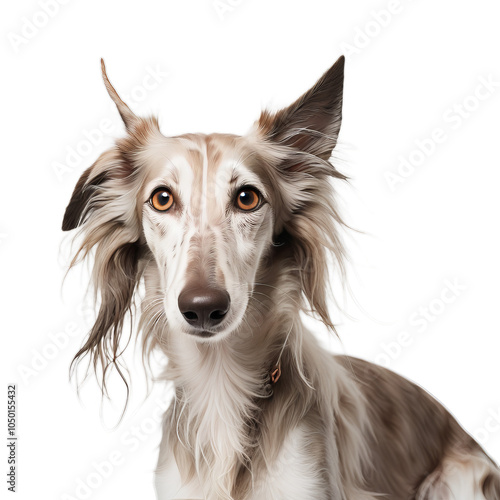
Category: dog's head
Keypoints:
(206, 212)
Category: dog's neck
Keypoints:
(241, 367)
(220, 389)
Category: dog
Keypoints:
(233, 238)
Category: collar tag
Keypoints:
(276, 373)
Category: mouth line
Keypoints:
(202, 333)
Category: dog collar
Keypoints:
(274, 373)
(273, 376)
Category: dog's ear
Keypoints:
(105, 205)
(99, 172)
(129, 118)
(312, 122)
(300, 140)
(79, 200)
(85, 189)
(108, 169)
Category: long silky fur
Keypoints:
(224, 427)
(104, 205)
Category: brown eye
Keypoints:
(247, 199)
(161, 199)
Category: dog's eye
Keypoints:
(161, 199)
(248, 198)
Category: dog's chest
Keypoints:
(294, 475)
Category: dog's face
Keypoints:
(208, 221)
(202, 213)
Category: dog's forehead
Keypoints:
(197, 164)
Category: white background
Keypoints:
(403, 80)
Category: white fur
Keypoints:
(457, 478)
(294, 475)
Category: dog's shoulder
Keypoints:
(410, 429)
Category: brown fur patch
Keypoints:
(412, 432)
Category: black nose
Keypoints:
(204, 307)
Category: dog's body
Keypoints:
(231, 236)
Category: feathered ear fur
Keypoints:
(104, 206)
(300, 139)
(312, 122)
